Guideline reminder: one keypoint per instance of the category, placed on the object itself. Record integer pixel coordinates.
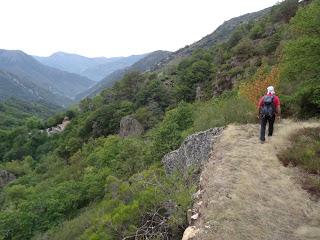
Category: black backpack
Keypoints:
(268, 109)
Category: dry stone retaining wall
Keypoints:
(194, 150)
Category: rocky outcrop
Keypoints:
(129, 126)
(199, 94)
(190, 233)
(6, 177)
(194, 151)
(59, 128)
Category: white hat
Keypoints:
(270, 89)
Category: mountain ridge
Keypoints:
(222, 33)
(54, 80)
(95, 68)
(144, 64)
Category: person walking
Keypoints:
(268, 109)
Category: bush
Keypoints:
(284, 11)
(257, 30)
(305, 153)
(244, 47)
(299, 68)
(229, 108)
(168, 135)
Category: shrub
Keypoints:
(304, 152)
(254, 89)
(167, 136)
(257, 30)
(244, 47)
(229, 108)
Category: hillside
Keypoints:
(92, 68)
(158, 62)
(248, 194)
(56, 81)
(23, 89)
(16, 112)
(221, 34)
(145, 64)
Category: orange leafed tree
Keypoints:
(257, 87)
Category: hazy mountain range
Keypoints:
(93, 68)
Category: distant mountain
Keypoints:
(51, 79)
(145, 64)
(12, 86)
(222, 33)
(93, 68)
(98, 72)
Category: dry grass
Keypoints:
(248, 194)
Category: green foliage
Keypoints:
(128, 205)
(125, 156)
(192, 72)
(229, 108)
(149, 115)
(284, 11)
(128, 87)
(105, 120)
(34, 123)
(168, 135)
(244, 47)
(238, 34)
(304, 153)
(300, 62)
(153, 91)
(14, 112)
(257, 30)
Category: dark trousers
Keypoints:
(264, 122)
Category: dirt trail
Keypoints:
(248, 194)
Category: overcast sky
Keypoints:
(113, 27)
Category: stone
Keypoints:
(59, 128)
(197, 194)
(189, 215)
(193, 151)
(129, 126)
(199, 94)
(195, 216)
(190, 233)
(6, 177)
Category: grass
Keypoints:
(229, 108)
(305, 154)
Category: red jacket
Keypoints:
(276, 101)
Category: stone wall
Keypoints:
(194, 150)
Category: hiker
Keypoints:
(268, 109)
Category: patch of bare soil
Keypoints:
(248, 194)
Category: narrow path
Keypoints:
(248, 194)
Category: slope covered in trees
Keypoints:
(89, 183)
